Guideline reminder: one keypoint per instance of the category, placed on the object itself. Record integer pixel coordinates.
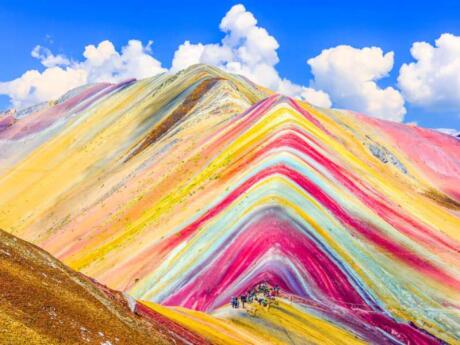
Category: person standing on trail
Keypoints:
(259, 300)
(235, 303)
(243, 299)
(267, 305)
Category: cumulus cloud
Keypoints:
(101, 63)
(349, 75)
(104, 63)
(316, 97)
(433, 80)
(35, 87)
(47, 58)
(343, 76)
(249, 50)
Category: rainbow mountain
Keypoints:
(185, 190)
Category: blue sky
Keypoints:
(303, 29)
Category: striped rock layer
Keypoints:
(185, 190)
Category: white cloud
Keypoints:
(449, 131)
(316, 97)
(102, 63)
(249, 50)
(433, 81)
(349, 76)
(343, 76)
(35, 87)
(186, 55)
(47, 58)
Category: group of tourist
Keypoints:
(263, 294)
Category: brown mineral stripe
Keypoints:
(442, 199)
(178, 114)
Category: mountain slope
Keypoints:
(285, 323)
(186, 190)
(44, 302)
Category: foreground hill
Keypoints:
(44, 302)
(189, 189)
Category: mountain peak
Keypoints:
(190, 189)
